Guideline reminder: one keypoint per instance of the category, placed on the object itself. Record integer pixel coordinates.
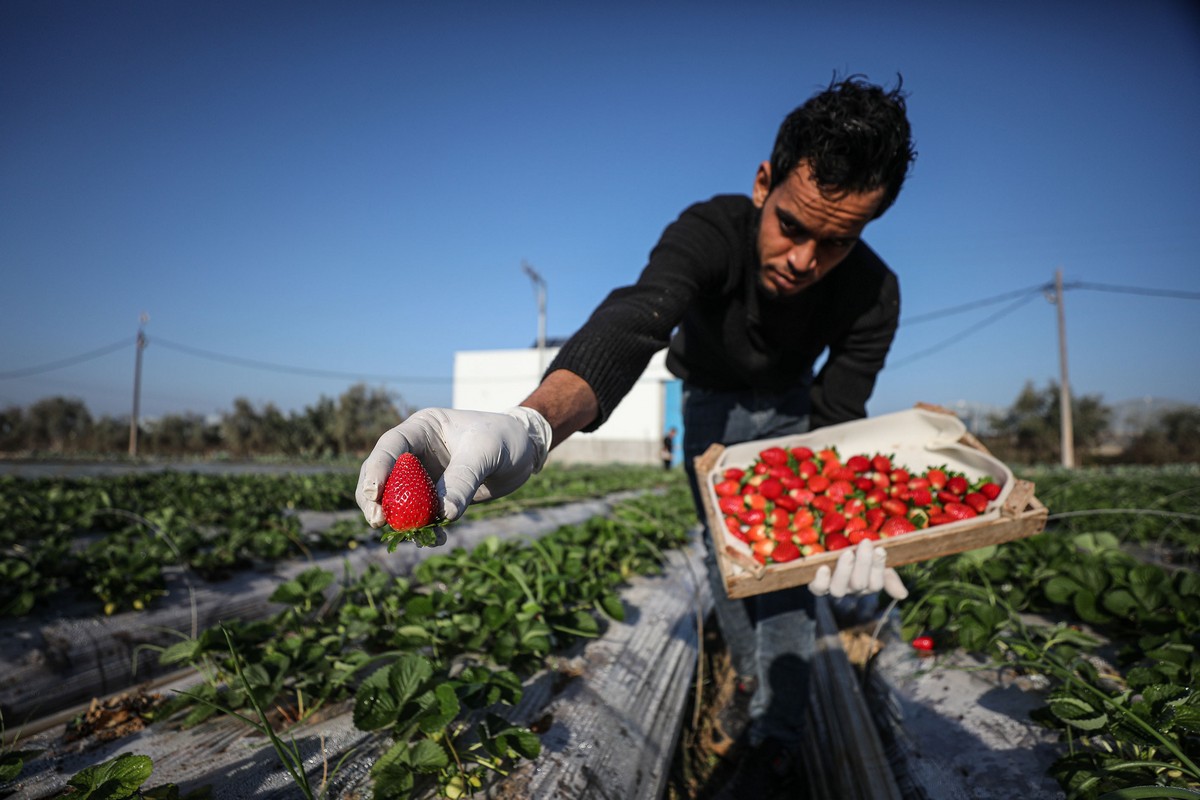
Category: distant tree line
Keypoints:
(1026, 433)
(330, 428)
(1029, 432)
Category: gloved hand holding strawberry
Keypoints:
(472, 455)
(859, 570)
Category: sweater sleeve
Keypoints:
(841, 390)
(612, 349)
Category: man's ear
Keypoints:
(762, 184)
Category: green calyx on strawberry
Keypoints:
(410, 503)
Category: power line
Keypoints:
(1103, 287)
(292, 370)
(66, 362)
(937, 348)
(945, 312)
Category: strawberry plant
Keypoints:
(214, 525)
(1131, 725)
(433, 659)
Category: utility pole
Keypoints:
(1067, 425)
(539, 287)
(137, 384)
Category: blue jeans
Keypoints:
(770, 636)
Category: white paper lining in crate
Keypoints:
(915, 439)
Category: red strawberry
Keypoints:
(881, 463)
(833, 522)
(730, 505)
(921, 497)
(946, 496)
(990, 490)
(923, 643)
(786, 502)
(753, 516)
(410, 500)
(875, 517)
(770, 488)
(727, 488)
(763, 548)
(936, 477)
(774, 456)
(895, 526)
(977, 501)
(957, 484)
(859, 463)
(836, 541)
(801, 453)
(958, 511)
(823, 503)
(785, 551)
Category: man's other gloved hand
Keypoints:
(859, 570)
(472, 455)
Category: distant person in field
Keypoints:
(668, 448)
(746, 293)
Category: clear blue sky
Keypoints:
(352, 187)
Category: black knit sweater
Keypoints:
(702, 283)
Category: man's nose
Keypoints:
(803, 257)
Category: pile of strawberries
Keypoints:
(796, 502)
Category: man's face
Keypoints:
(803, 233)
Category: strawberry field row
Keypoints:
(428, 661)
(1125, 725)
(109, 539)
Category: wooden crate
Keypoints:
(1020, 515)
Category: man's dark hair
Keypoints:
(854, 135)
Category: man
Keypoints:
(746, 293)
(668, 447)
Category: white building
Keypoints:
(493, 380)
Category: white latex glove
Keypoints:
(859, 570)
(471, 455)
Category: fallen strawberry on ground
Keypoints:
(410, 504)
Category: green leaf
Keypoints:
(1187, 583)
(427, 755)
(1060, 589)
(375, 705)
(442, 710)
(12, 762)
(1078, 713)
(1096, 542)
(393, 774)
(186, 651)
(408, 675)
(1121, 603)
(114, 779)
(1085, 606)
(610, 604)
(1187, 718)
(526, 743)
